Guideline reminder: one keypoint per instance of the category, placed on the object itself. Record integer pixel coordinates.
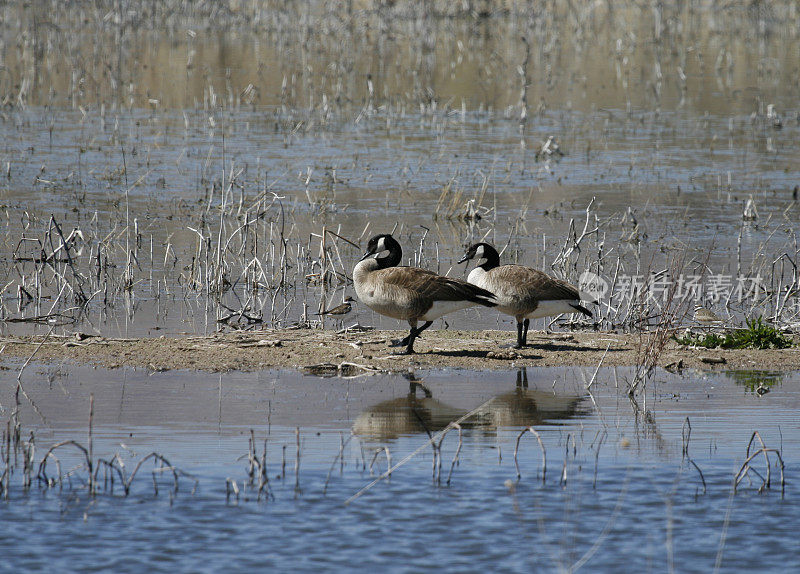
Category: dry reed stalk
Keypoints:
(541, 446)
(455, 455)
(686, 433)
(597, 444)
(383, 449)
(563, 479)
(297, 462)
(340, 458)
(746, 469)
(231, 488)
(437, 454)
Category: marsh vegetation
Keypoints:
(158, 174)
(211, 171)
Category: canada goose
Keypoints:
(521, 292)
(410, 293)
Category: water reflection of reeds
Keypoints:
(319, 60)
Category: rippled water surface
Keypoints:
(617, 494)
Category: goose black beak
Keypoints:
(367, 254)
(465, 258)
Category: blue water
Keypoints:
(637, 504)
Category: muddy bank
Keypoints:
(299, 348)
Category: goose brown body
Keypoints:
(410, 293)
(522, 292)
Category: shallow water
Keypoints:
(630, 499)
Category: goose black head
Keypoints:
(381, 243)
(482, 251)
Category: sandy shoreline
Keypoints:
(301, 348)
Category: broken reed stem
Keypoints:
(686, 433)
(231, 487)
(457, 453)
(437, 454)
(7, 461)
(297, 461)
(541, 446)
(42, 474)
(763, 446)
(700, 472)
(382, 449)
(602, 434)
(91, 445)
(340, 457)
(263, 478)
(257, 467)
(746, 468)
(563, 479)
(597, 370)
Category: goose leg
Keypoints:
(411, 336)
(409, 339)
(415, 331)
(414, 334)
(519, 344)
(526, 324)
(425, 326)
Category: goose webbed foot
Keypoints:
(409, 347)
(399, 342)
(404, 352)
(408, 340)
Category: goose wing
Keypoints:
(422, 284)
(527, 283)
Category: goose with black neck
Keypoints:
(410, 293)
(522, 292)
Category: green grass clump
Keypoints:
(757, 335)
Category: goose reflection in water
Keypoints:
(406, 415)
(413, 414)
